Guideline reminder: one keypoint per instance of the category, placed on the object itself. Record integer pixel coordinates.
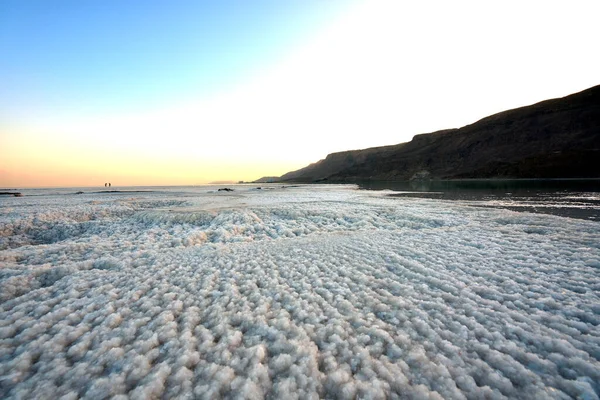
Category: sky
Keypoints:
(192, 92)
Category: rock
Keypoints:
(558, 138)
(423, 175)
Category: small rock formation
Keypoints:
(15, 194)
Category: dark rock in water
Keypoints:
(14, 194)
(79, 192)
(558, 138)
(225, 190)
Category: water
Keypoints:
(568, 198)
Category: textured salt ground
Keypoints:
(303, 293)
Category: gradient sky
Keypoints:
(189, 92)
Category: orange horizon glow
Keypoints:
(35, 157)
(57, 163)
(121, 173)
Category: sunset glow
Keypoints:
(195, 93)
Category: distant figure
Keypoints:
(108, 184)
(105, 184)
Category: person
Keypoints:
(108, 184)
(104, 184)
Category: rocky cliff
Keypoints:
(558, 138)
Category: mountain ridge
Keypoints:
(555, 138)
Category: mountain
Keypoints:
(267, 179)
(558, 138)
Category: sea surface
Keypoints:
(575, 198)
(301, 291)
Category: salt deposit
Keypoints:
(300, 292)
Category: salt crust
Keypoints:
(294, 293)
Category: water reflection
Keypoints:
(570, 198)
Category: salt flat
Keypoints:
(298, 292)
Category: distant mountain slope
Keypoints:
(558, 138)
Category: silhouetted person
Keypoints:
(105, 184)
(108, 184)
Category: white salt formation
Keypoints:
(308, 292)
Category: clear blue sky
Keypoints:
(92, 56)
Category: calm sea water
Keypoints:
(570, 198)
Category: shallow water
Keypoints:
(568, 198)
